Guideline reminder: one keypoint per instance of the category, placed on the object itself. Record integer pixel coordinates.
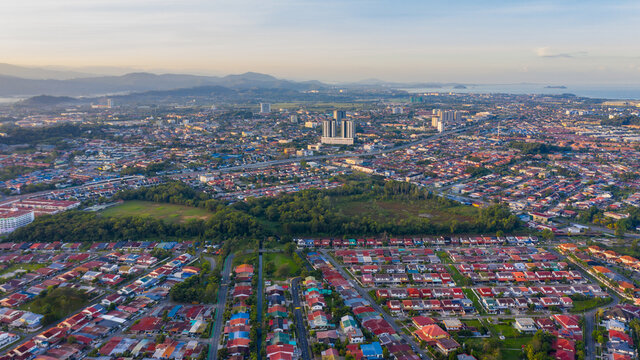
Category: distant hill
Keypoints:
(36, 73)
(140, 82)
(46, 100)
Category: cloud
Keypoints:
(547, 52)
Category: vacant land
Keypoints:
(57, 303)
(510, 348)
(384, 210)
(14, 270)
(588, 304)
(168, 212)
(279, 266)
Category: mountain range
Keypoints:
(17, 81)
(21, 81)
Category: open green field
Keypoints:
(168, 212)
(510, 348)
(245, 258)
(385, 210)
(28, 267)
(585, 305)
(279, 266)
(57, 303)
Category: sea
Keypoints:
(10, 100)
(612, 92)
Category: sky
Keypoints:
(470, 41)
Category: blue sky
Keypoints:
(485, 41)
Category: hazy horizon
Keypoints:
(573, 42)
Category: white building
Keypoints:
(13, 219)
(265, 108)
(525, 325)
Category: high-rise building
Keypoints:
(338, 130)
(265, 108)
(348, 129)
(329, 128)
(293, 118)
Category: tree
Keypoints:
(548, 234)
(289, 248)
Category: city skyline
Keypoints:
(493, 42)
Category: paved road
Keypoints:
(260, 306)
(377, 307)
(45, 192)
(301, 329)
(28, 336)
(589, 326)
(331, 156)
(589, 316)
(223, 291)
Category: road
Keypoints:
(589, 316)
(601, 229)
(589, 326)
(260, 306)
(377, 307)
(223, 291)
(301, 330)
(45, 192)
(28, 336)
(330, 156)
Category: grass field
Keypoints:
(167, 212)
(57, 303)
(476, 302)
(385, 210)
(585, 305)
(283, 266)
(246, 258)
(510, 348)
(28, 267)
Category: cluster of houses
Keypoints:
(612, 257)
(359, 327)
(95, 190)
(565, 328)
(615, 322)
(499, 299)
(600, 260)
(114, 312)
(280, 345)
(20, 291)
(500, 254)
(315, 304)
(148, 348)
(174, 320)
(480, 241)
(429, 331)
(517, 272)
(445, 301)
(237, 329)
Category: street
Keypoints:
(301, 330)
(260, 306)
(377, 308)
(220, 306)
